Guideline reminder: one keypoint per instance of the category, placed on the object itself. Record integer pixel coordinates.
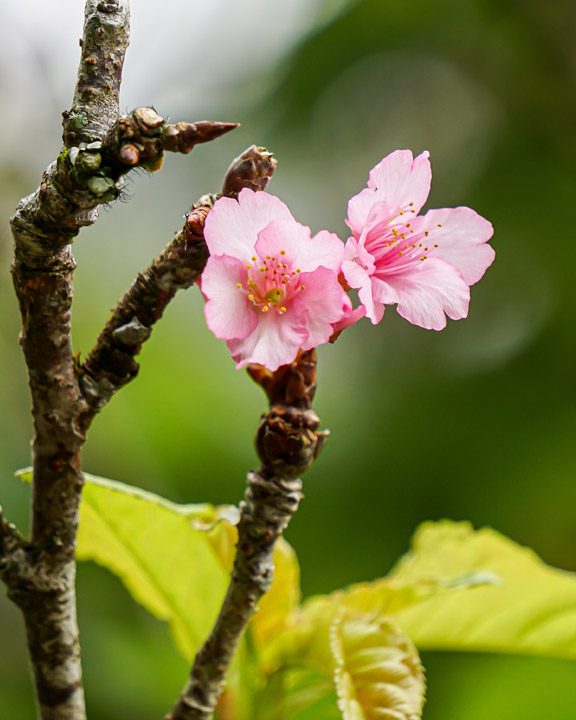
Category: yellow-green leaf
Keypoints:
(175, 559)
(378, 674)
(532, 609)
(297, 693)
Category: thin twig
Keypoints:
(288, 441)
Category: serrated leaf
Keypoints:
(378, 674)
(530, 610)
(373, 667)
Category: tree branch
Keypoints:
(40, 575)
(99, 150)
(287, 441)
(111, 363)
(105, 39)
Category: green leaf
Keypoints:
(161, 551)
(531, 610)
(176, 559)
(379, 598)
(459, 589)
(297, 693)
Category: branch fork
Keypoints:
(100, 148)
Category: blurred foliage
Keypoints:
(351, 651)
(476, 422)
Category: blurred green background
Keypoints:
(477, 422)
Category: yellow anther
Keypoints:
(265, 308)
(282, 252)
(426, 233)
(254, 258)
(239, 285)
(423, 257)
(248, 266)
(282, 309)
(436, 245)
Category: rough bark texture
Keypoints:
(111, 363)
(104, 42)
(44, 589)
(40, 574)
(288, 441)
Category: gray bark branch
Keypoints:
(40, 574)
(95, 106)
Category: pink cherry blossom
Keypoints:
(271, 288)
(423, 264)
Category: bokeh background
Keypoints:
(477, 422)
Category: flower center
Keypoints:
(400, 243)
(270, 283)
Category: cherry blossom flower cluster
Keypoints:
(273, 289)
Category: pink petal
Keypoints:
(232, 226)
(326, 250)
(427, 292)
(351, 317)
(275, 341)
(229, 313)
(397, 180)
(374, 308)
(358, 268)
(461, 235)
(308, 253)
(358, 264)
(323, 302)
(356, 251)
